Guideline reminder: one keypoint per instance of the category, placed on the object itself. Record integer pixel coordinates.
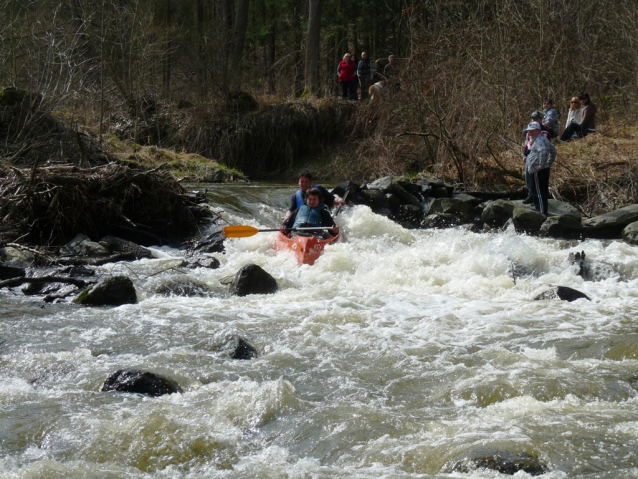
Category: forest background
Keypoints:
(253, 84)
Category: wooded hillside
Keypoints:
(471, 70)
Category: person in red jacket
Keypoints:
(346, 71)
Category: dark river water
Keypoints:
(397, 354)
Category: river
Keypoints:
(398, 353)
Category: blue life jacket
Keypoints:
(299, 199)
(307, 216)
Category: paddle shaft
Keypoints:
(245, 231)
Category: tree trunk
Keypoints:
(239, 37)
(312, 48)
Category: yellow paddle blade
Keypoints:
(240, 231)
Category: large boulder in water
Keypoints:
(565, 226)
(113, 291)
(527, 221)
(610, 225)
(8, 272)
(497, 213)
(630, 233)
(462, 206)
(252, 279)
(503, 462)
(562, 292)
(140, 382)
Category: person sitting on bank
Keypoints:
(575, 113)
(312, 214)
(587, 124)
(299, 197)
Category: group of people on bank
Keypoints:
(363, 74)
(540, 153)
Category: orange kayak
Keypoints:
(306, 248)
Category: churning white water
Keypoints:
(397, 354)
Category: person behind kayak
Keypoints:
(311, 214)
(298, 198)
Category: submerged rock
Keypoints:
(252, 279)
(113, 291)
(562, 292)
(140, 382)
(503, 462)
(242, 349)
(183, 287)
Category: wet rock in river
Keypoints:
(252, 279)
(440, 220)
(113, 291)
(497, 213)
(564, 226)
(140, 382)
(564, 293)
(527, 221)
(183, 287)
(201, 261)
(462, 206)
(242, 349)
(503, 462)
(118, 245)
(81, 245)
(630, 233)
(8, 272)
(610, 225)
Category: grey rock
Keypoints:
(252, 279)
(82, 245)
(562, 227)
(16, 257)
(440, 220)
(610, 225)
(118, 245)
(382, 184)
(564, 293)
(527, 221)
(140, 382)
(463, 207)
(113, 291)
(8, 272)
(630, 233)
(497, 213)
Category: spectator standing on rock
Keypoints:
(364, 72)
(536, 116)
(588, 122)
(299, 197)
(346, 73)
(538, 162)
(550, 118)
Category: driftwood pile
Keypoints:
(50, 206)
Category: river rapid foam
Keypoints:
(396, 354)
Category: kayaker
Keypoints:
(298, 198)
(311, 214)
